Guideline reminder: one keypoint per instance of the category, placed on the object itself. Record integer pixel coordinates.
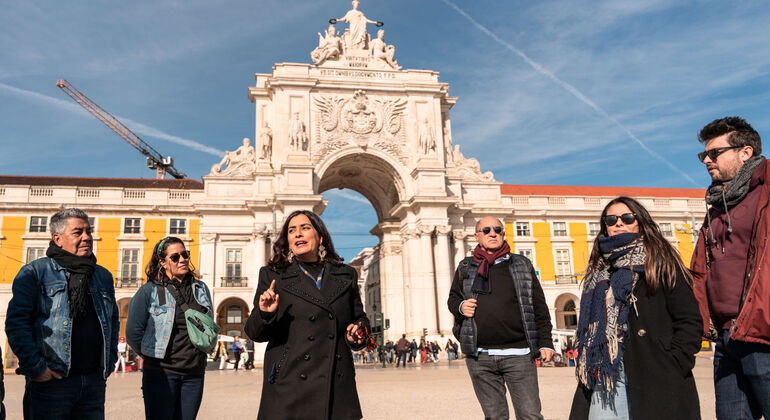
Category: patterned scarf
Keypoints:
(604, 310)
(481, 283)
(724, 196)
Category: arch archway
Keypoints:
(231, 316)
(123, 311)
(566, 311)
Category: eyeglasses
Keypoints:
(486, 229)
(626, 218)
(175, 257)
(714, 153)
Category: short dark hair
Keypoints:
(743, 134)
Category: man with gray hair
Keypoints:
(63, 324)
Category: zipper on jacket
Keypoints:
(753, 256)
(511, 264)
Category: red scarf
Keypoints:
(485, 260)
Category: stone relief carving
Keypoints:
(443, 230)
(380, 50)
(427, 141)
(329, 47)
(297, 134)
(240, 162)
(362, 121)
(265, 142)
(468, 167)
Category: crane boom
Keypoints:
(154, 159)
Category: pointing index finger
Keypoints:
(272, 286)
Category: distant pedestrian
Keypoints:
(121, 355)
(250, 351)
(451, 350)
(413, 351)
(237, 351)
(403, 348)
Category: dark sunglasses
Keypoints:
(714, 153)
(626, 218)
(175, 257)
(485, 230)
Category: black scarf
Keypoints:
(81, 270)
(723, 196)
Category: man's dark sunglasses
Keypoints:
(175, 257)
(626, 218)
(486, 229)
(714, 153)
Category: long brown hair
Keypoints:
(663, 261)
(281, 245)
(154, 270)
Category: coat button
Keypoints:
(306, 357)
(641, 332)
(302, 376)
(331, 316)
(65, 322)
(331, 336)
(312, 318)
(310, 338)
(338, 356)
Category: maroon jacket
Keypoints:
(726, 286)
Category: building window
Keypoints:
(233, 263)
(34, 254)
(234, 314)
(563, 266)
(131, 225)
(38, 223)
(665, 229)
(594, 228)
(178, 227)
(130, 264)
(522, 229)
(527, 253)
(559, 228)
(92, 223)
(570, 315)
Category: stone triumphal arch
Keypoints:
(352, 119)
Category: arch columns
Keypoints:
(444, 272)
(459, 239)
(427, 279)
(412, 295)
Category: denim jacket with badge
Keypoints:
(149, 324)
(39, 325)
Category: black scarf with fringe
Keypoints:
(81, 270)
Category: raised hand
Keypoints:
(268, 301)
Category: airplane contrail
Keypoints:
(137, 127)
(571, 89)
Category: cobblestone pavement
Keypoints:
(434, 391)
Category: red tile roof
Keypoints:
(583, 191)
(178, 184)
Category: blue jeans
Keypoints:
(401, 358)
(73, 397)
(741, 379)
(170, 396)
(617, 409)
(490, 375)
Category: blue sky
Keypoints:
(550, 92)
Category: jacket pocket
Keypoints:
(276, 369)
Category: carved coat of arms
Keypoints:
(361, 121)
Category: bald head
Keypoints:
(494, 237)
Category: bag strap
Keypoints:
(161, 294)
(177, 297)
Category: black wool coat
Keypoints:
(659, 356)
(308, 370)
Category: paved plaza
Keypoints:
(434, 391)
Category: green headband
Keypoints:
(161, 244)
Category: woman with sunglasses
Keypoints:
(639, 325)
(156, 328)
(308, 309)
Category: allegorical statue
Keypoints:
(238, 162)
(297, 135)
(266, 142)
(356, 38)
(427, 141)
(329, 46)
(379, 49)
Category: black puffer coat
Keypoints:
(308, 371)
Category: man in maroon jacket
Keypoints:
(732, 271)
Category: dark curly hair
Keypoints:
(281, 245)
(154, 270)
(743, 134)
(663, 261)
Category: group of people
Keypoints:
(643, 314)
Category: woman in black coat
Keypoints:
(639, 326)
(308, 308)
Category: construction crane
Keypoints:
(154, 159)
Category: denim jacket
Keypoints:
(39, 325)
(149, 324)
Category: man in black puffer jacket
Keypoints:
(502, 322)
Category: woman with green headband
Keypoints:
(156, 328)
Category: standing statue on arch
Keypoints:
(297, 135)
(357, 37)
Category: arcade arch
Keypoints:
(231, 316)
(566, 311)
(123, 312)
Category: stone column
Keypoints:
(260, 255)
(444, 273)
(412, 303)
(459, 239)
(427, 279)
(392, 285)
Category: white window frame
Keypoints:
(121, 273)
(588, 229)
(556, 261)
(670, 230)
(529, 229)
(566, 230)
(37, 218)
(228, 262)
(531, 251)
(40, 250)
(186, 226)
(123, 226)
